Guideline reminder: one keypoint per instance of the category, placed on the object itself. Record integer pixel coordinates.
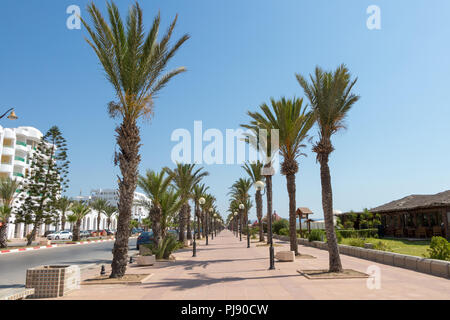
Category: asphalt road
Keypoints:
(13, 266)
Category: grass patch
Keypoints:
(413, 248)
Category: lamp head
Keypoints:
(211, 209)
(201, 200)
(259, 185)
(241, 206)
(12, 115)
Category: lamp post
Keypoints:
(259, 185)
(235, 224)
(201, 201)
(12, 115)
(211, 220)
(241, 218)
(215, 227)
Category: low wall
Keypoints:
(438, 268)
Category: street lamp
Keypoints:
(12, 115)
(201, 201)
(211, 218)
(241, 209)
(235, 223)
(260, 185)
(215, 227)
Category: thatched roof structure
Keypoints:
(416, 201)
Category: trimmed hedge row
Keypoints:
(363, 233)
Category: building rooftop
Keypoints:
(416, 201)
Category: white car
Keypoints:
(60, 235)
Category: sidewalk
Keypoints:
(227, 269)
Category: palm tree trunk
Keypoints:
(3, 236)
(128, 158)
(182, 222)
(290, 182)
(188, 222)
(155, 217)
(98, 223)
(32, 236)
(76, 230)
(63, 221)
(258, 198)
(327, 204)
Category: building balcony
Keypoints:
(18, 174)
(6, 167)
(8, 150)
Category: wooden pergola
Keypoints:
(417, 216)
(303, 213)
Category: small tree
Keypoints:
(8, 194)
(99, 205)
(79, 211)
(45, 183)
(63, 205)
(109, 212)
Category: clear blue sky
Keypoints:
(241, 53)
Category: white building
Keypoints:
(16, 148)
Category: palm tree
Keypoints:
(109, 211)
(134, 63)
(79, 211)
(254, 171)
(8, 194)
(331, 98)
(154, 185)
(170, 205)
(99, 205)
(184, 178)
(240, 194)
(198, 192)
(293, 122)
(63, 204)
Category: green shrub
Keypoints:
(439, 249)
(356, 242)
(303, 234)
(280, 224)
(165, 247)
(339, 236)
(316, 235)
(283, 232)
(380, 245)
(363, 233)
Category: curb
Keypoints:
(55, 245)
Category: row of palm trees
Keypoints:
(330, 98)
(171, 193)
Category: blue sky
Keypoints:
(240, 54)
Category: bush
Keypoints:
(364, 233)
(380, 245)
(165, 247)
(339, 236)
(356, 242)
(303, 234)
(283, 232)
(439, 249)
(316, 235)
(280, 224)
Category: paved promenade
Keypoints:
(226, 269)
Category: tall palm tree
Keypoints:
(293, 122)
(240, 194)
(198, 192)
(109, 211)
(331, 97)
(184, 178)
(99, 205)
(8, 194)
(63, 204)
(254, 171)
(134, 63)
(155, 185)
(79, 211)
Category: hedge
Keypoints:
(363, 233)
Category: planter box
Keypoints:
(143, 250)
(146, 260)
(53, 281)
(45, 242)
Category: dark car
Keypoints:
(145, 237)
(46, 233)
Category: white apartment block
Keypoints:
(16, 148)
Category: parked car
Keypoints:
(137, 230)
(46, 233)
(145, 238)
(109, 232)
(85, 234)
(60, 235)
